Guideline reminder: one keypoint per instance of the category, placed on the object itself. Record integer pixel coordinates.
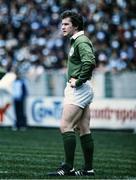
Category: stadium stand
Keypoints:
(30, 34)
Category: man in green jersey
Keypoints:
(78, 96)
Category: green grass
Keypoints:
(33, 153)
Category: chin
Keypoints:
(65, 34)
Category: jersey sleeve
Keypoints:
(87, 58)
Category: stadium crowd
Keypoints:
(30, 33)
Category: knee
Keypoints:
(84, 129)
(65, 127)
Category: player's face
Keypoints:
(67, 27)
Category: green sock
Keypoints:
(69, 141)
(88, 149)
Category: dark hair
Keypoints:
(75, 17)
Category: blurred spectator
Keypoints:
(29, 31)
(35, 70)
(19, 99)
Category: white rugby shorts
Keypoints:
(80, 96)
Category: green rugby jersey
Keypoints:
(81, 58)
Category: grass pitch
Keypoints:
(33, 153)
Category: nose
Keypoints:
(62, 27)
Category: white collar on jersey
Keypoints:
(77, 34)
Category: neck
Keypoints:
(73, 33)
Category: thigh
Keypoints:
(84, 123)
(81, 96)
(70, 117)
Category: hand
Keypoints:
(72, 82)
